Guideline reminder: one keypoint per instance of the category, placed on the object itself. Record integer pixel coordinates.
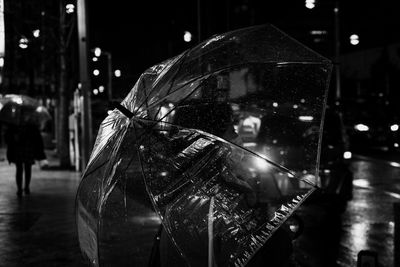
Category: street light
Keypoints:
(117, 73)
(187, 36)
(23, 42)
(36, 33)
(311, 4)
(354, 39)
(69, 8)
(98, 52)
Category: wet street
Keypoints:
(39, 230)
(334, 239)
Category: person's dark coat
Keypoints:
(24, 144)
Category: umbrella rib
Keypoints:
(173, 79)
(222, 69)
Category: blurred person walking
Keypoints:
(24, 146)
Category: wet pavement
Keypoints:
(335, 239)
(39, 229)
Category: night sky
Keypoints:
(141, 34)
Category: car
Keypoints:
(371, 125)
(282, 140)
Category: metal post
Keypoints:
(337, 50)
(85, 83)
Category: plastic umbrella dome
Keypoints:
(22, 109)
(215, 148)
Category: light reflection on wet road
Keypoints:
(366, 224)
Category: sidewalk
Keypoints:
(39, 229)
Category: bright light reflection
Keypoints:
(275, 104)
(96, 72)
(261, 164)
(361, 127)
(347, 155)
(394, 164)
(396, 144)
(358, 233)
(361, 183)
(306, 118)
(101, 88)
(94, 59)
(1, 62)
(394, 127)
(95, 91)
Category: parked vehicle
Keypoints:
(371, 125)
(287, 148)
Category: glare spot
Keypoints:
(96, 72)
(347, 155)
(354, 39)
(361, 127)
(394, 164)
(187, 36)
(275, 104)
(361, 183)
(306, 118)
(310, 4)
(358, 232)
(70, 8)
(36, 33)
(394, 127)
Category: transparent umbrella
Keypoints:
(22, 109)
(219, 145)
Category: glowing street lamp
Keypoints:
(117, 73)
(96, 72)
(23, 43)
(310, 4)
(36, 33)
(187, 36)
(97, 52)
(354, 39)
(94, 59)
(70, 8)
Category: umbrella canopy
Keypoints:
(219, 145)
(21, 110)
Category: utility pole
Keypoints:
(63, 96)
(85, 83)
(337, 50)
